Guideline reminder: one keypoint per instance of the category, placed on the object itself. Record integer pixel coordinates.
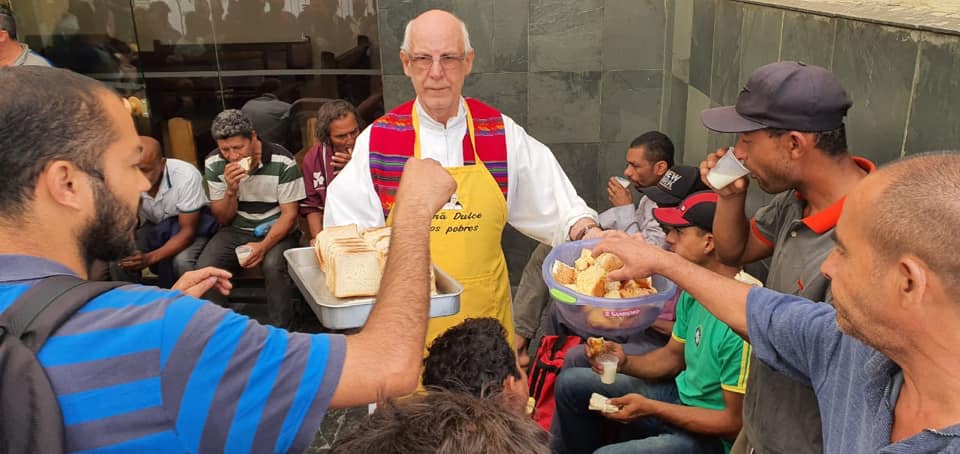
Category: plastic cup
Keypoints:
(608, 363)
(623, 182)
(727, 170)
(243, 253)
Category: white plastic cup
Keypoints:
(623, 182)
(243, 253)
(727, 170)
(608, 363)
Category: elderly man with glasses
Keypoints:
(503, 174)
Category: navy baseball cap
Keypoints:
(675, 185)
(785, 95)
(697, 209)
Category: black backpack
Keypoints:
(30, 419)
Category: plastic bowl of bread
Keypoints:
(592, 303)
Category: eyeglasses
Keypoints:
(447, 62)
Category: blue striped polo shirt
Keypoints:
(143, 369)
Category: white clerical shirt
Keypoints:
(541, 201)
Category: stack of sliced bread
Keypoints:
(353, 260)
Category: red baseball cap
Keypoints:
(697, 209)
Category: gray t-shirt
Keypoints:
(30, 58)
(856, 386)
(640, 220)
(270, 117)
(780, 415)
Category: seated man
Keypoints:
(475, 358)
(253, 183)
(700, 410)
(338, 125)
(175, 225)
(443, 422)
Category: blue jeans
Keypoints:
(578, 430)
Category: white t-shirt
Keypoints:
(181, 192)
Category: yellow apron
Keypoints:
(465, 242)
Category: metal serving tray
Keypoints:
(346, 313)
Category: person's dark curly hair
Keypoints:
(443, 422)
(473, 357)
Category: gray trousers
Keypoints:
(220, 252)
(532, 297)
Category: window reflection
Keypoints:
(190, 59)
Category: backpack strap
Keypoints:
(36, 314)
(30, 416)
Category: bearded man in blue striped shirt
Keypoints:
(143, 369)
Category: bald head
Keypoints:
(433, 23)
(915, 209)
(151, 161)
(151, 149)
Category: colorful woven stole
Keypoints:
(392, 139)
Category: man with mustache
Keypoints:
(142, 369)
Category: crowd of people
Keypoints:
(845, 346)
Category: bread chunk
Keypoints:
(563, 273)
(592, 281)
(609, 262)
(601, 403)
(585, 260)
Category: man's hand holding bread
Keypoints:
(639, 257)
(233, 173)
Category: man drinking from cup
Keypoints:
(791, 137)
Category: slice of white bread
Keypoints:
(599, 402)
(331, 233)
(354, 260)
(375, 233)
(246, 163)
(330, 248)
(353, 272)
(339, 243)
